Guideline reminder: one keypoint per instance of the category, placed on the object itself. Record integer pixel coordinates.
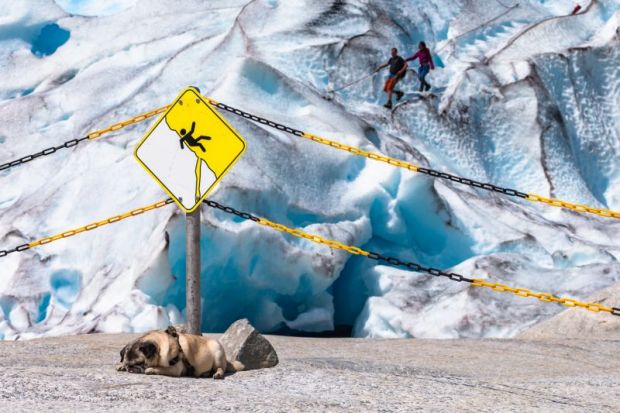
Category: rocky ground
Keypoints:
(77, 374)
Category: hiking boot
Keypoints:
(399, 95)
(388, 105)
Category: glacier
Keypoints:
(528, 97)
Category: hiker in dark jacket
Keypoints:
(398, 68)
(426, 64)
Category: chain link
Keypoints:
(315, 138)
(74, 142)
(44, 152)
(521, 292)
(88, 227)
(412, 266)
(415, 168)
(230, 210)
(607, 213)
(545, 297)
(279, 227)
(23, 247)
(255, 118)
(360, 152)
(120, 125)
(99, 224)
(471, 182)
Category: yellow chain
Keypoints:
(371, 155)
(521, 292)
(415, 168)
(361, 152)
(575, 207)
(98, 224)
(314, 238)
(121, 125)
(545, 297)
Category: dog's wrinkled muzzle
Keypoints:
(138, 368)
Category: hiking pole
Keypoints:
(350, 84)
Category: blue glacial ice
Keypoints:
(94, 7)
(528, 98)
(49, 39)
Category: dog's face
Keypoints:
(137, 356)
(121, 366)
(146, 351)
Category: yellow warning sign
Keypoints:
(189, 149)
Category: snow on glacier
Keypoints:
(95, 7)
(531, 100)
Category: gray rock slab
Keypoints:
(242, 342)
(76, 374)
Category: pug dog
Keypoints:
(175, 354)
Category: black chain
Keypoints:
(431, 172)
(230, 210)
(471, 182)
(283, 128)
(23, 247)
(412, 266)
(44, 152)
(258, 119)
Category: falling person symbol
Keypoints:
(189, 139)
(193, 144)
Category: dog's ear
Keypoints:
(171, 330)
(148, 348)
(123, 351)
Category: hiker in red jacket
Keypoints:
(426, 64)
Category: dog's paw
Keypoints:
(150, 371)
(218, 375)
(121, 367)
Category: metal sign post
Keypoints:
(192, 272)
(188, 151)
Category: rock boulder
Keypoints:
(245, 344)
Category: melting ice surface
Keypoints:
(94, 7)
(528, 98)
(50, 38)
